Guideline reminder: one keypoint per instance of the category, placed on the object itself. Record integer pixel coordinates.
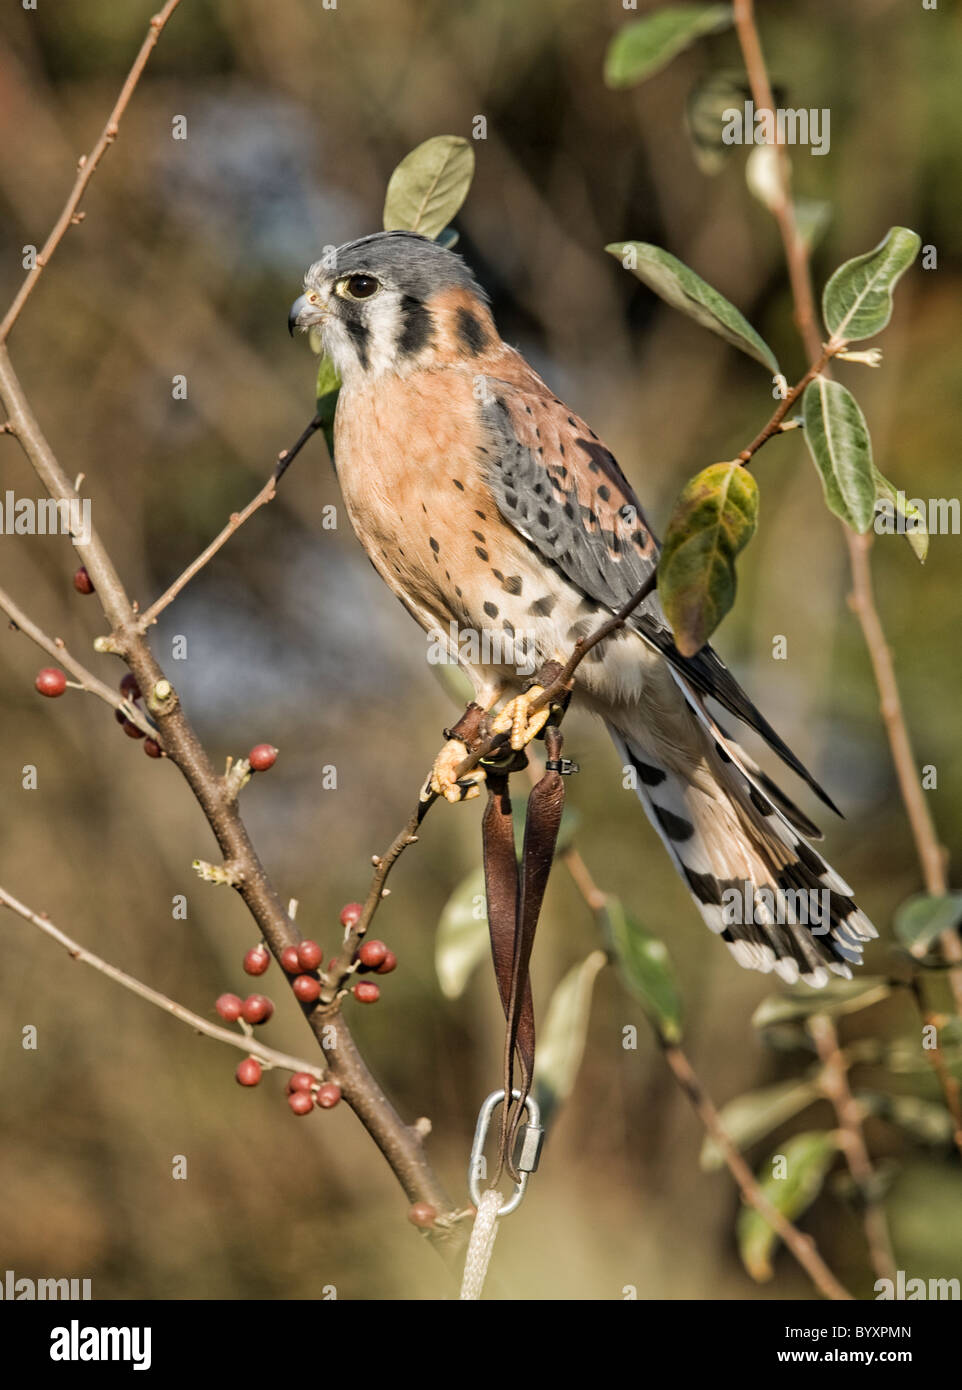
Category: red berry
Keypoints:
(229, 1006)
(262, 757)
(51, 681)
(422, 1214)
(365, 992)
(290, 960)
(351, 914)
(257, 960)
(300, 1102)
(372, 954)
(388, 964)
(82, 581)
(257, 1008)
(248, 1072)
(152, 748)
(301, 1081)
(131, 730)
(309, 955)
(306, 988)
(129, 687)
(328, 1094)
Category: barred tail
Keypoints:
(737, 842)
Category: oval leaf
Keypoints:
(328, 389)
(923, 1119)
(647, 970)
(924, 917)
(838, 440)
(705, 121)
(462, 938)
(752, 1116)
(857, 301)
(836, 997)
(680, 287)
(562, 1036)
(902, 515)
(804, 1160)
(649, 44)
(714, 519)
(429, 186)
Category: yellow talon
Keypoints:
(443, 781)
(517, 717)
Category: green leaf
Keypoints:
(713, 520)
(924, 917)
(836, 997)
(562, 1036)
(807, 1159)
(923, 1119)
(705, 109)
(647, 45)
(750, 1117)
(647, 970)
(328, 389)
(429, 186)
(838, 441)
(904, 513)
(857, 301)
(462, 938)
(680, 287)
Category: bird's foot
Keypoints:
(517, 716)
(443, 780)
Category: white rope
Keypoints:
(481, 1244)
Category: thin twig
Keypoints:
(801, 1246)
(284, 1061)
(91, 683)
(834, 1083)
(266, 494)
(87, 168)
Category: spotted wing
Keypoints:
(562, 490)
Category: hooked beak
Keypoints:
(297, 308)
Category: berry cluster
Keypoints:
(302, 963)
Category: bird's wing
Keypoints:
(557, 484)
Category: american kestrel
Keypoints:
(507, 529)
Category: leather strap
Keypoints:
(514, 905)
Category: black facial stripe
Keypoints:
(417, 327)
(359, 335)
(470, 332)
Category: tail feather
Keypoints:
(737, 842)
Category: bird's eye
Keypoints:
(360, 286)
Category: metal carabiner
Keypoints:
(531, 1138)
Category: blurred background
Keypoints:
(189, 257)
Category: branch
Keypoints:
(249, 1045)
(834, 1083)
(931, 854)
(266, 494)
(86, 169)
(401, 1144)
(801, 1246)
(56, 648)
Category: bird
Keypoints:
(508, 531)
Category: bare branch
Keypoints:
(87, 167)
(56, 648)
(283, 1061)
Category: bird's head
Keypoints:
(391, 303)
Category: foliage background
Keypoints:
(189, 257)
